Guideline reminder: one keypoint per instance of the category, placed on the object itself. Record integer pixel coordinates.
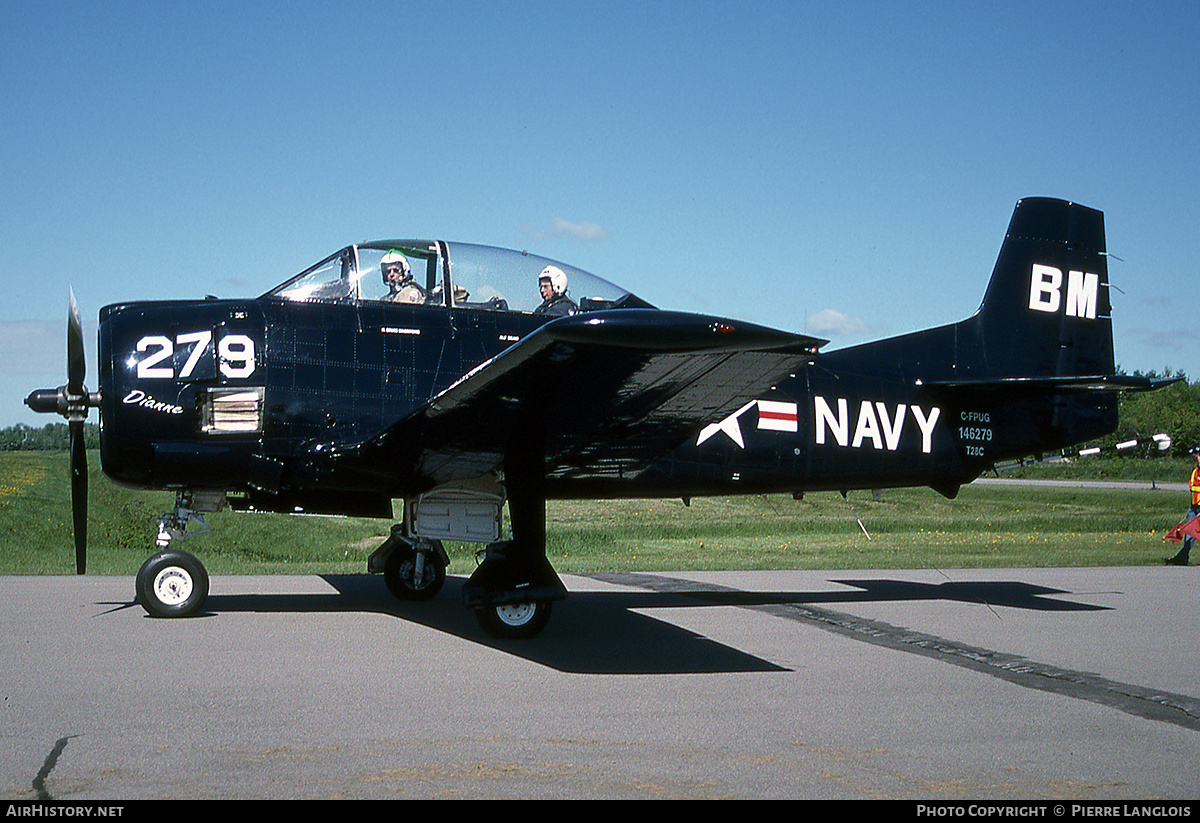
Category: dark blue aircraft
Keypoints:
(458, 378)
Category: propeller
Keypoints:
(72, 401)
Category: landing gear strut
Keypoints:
(514, 586)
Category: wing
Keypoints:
(610, 393)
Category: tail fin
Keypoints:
(1045, 322)
(1046, 313)
(1032, 371)
(1040, 349)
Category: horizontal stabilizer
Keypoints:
(1040, 386)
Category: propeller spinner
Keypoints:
(72, 401)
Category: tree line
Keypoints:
(1174, 411)
(50, 437)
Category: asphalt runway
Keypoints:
(1009, 684)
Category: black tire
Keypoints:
(399, 570)
(172, 583)
(514, 621)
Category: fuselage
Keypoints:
(221, 394)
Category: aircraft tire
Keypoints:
(398, 575)
(514, 621)
(172, 583)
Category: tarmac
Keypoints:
(1074, 685)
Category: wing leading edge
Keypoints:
(608, 392)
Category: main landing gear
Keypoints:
(510, 592)
(514, 586)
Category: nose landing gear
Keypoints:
(174, 583)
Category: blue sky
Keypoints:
(841, 168)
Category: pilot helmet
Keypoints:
(392, 258)
(558, 280)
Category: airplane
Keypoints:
(435, 373)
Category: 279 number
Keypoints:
(235, 355)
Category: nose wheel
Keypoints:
(172, 583)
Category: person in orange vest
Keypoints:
(1181, 559)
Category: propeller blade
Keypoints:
(72, 401)
(76, 371)
(76, 367)
(79, 487)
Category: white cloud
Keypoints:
(834, 323)
(580, 231)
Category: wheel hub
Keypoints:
(173, 586)
(516, 614)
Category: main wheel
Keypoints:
(514, 621)
(172, 583)
(405, 582)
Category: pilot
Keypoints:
(397, 276)
(553, 284)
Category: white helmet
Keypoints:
(392, 258)
(558, 280)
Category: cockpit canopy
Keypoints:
(436, 273)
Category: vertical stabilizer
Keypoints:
(1046, 312)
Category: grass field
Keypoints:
(985, 526)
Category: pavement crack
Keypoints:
(39, 782)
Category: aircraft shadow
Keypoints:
(1010, 594)
(590, 632)
(602, 633)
